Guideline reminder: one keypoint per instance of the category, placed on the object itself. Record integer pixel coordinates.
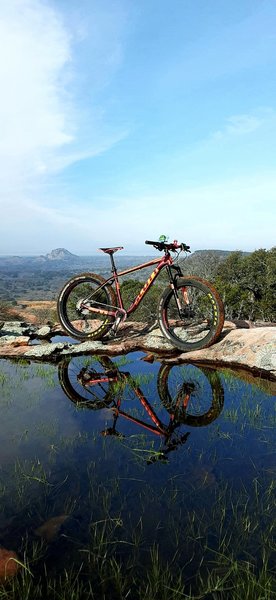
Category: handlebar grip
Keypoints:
(185, 248)
(158, 245)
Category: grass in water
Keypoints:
(136, 531)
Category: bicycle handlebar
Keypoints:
(162, 455)
(173, 247)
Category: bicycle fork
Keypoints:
(185, 299)
(183, 290)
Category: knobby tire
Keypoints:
(202, 314)
(83, 324)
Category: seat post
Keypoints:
(113, 267)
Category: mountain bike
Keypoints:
(192, 396)
(190, 311)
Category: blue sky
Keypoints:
(122, 120)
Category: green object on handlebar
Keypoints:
(163, 238)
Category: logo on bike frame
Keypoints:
(146, 286)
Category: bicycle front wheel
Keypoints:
(194, 395)
(80, 303)
(192, 315)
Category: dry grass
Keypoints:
(33, 311)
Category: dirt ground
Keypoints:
(35, 311)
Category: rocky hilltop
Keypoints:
(59, 254)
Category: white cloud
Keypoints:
(227, 214)
(47, 117)
(42, 128)
(243, 144)
(244, 124)
(238, 125)
(34, 112)
(231, 214)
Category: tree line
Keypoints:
(247, 285)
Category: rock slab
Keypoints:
(253, 348)
(247, 347)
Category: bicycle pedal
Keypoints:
(112, 334)
(114, 328)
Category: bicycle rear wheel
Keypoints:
(193, 318)
(76, 302)
(88, 382)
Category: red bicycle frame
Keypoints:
(158, 428)
(165, 261)
(161, 263)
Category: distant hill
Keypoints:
(55, 256)
(221, 254)
(60, 254)
(204, 263)
(207, 255)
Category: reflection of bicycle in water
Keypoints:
(192, 396)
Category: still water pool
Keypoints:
(123, 479)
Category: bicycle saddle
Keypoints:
(111, 250)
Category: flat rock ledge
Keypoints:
(240, 345)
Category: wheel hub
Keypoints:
(80, 309)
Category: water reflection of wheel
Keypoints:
(87, 381)
(194, 395)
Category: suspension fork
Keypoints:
(172, 280)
